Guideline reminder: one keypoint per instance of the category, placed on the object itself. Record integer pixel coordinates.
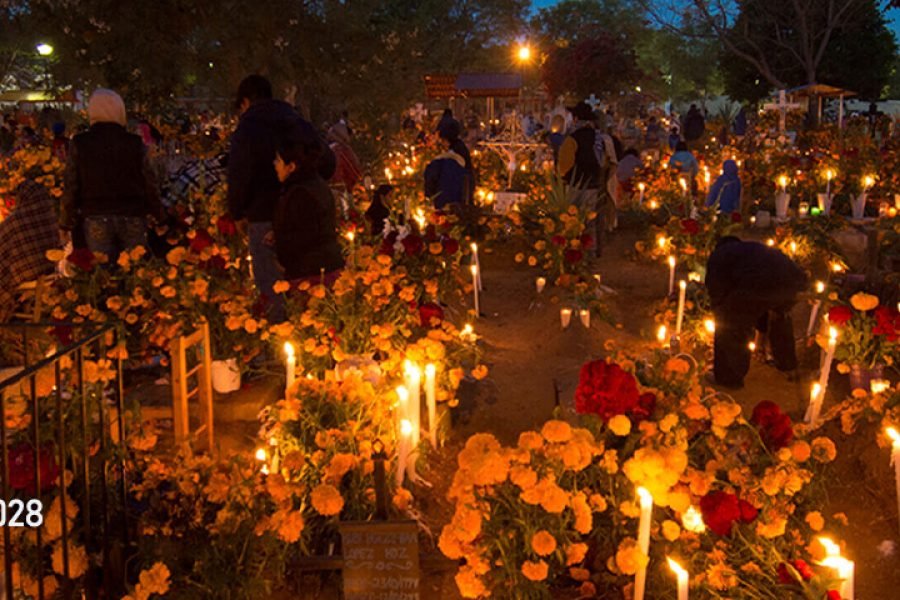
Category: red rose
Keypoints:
(558, 240)
(887, 323)
(413, 244)
(451, 246)
(606, 390)
(720, 510)
(690, 226)
(833, 595)
(226, 225)
(736, 217)
(839, 314)
(748, 511)
(22, 474)
(82, 258)
(775, 427)
(587, 240)
(572, 256)
(200, 241)
(800, 566)
(430, 314)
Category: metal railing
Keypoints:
(93, 413)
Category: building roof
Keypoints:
(473, 85)
(819, 89)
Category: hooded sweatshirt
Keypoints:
(445, 179)
(726, 191)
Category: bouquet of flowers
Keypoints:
(868, 331)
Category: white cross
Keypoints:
(593, 101)
(782, 105)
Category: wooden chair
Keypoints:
(181, 375)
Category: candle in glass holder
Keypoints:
(640, 577)
(565, 317)
(803, 209)
(540, 283)
(585, 316)
(682, 289)
(682, 578)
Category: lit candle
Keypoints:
(662, 335)
(682, 289)
(803, 209)
(895, 459)
(565, 317)
(879, 386)
(706, 177)
(431, 402)
(793, 247)
(661, 242)
(539, 284)
(413, 376)
(815, 404)
(710, 326)
(477, 264)
(263, 457)
(782, 182)
(829, 175)
(692, 520)
(814, 312)
(829, 356)
(684, 186)
(671, 274)
(402, 403)
(640, 578)
(474, 269)
(641, 188)
(290, 367)
(403, 450)
(682, 577)
(585, 316)
(845, 568)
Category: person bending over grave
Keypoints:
(751, 286)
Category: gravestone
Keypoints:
(381, 560)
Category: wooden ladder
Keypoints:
(181, 375)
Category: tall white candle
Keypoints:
(641, 188)
(829, 356)
(477, 263)
(431, 402)
(814, 312)
(414, 384)
(845, 568)
(671, 260)
(682, 576)
(895, 459)
(402, 412)
(290, 367)
(640, 578)
(682, 289)
(829, 175)
(474, 269)
(815, 404)
(404, 443)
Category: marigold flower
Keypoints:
(629, 557)
(575, 553)
(579, 574)
(671, 530)
(543, 543)
(556, 431)
(823, 449)
(535, 571)
(864, 302)
(815, 521)
(620, 425)
(469, 584)
(327, 500)
(584, 519)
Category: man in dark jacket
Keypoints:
(694, 124)
(579, 167)
(253, 186)
(109, 182)
(751, 285)
(446, 178)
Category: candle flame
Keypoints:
(793, 247)
(710, 325)
(671, 261)
(642, 186)
(645, 497)
(752, 346)
(820, 287)
(402, 394)
(661, 334)
(350, 236)
(893, 434)
(837, 267)
(770, 242)
(430, 370)
(682, 183)
(682, 284)
(816, 390)
(474, 247)
(831, 549)
(406, 428)
(654, 204)
(289, 349)
(661, 241)
(474, 269)
(832, 334)
(676, 568)
(829, 174)
(783, 181)
(868, 181)
(261, 454)
(692, 519)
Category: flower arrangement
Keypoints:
(868, 331)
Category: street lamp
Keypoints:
(524, 53)
(44, 49)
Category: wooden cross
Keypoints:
(782, 105)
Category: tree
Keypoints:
(601, 64)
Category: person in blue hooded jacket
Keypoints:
(446, 177)
(726, 191)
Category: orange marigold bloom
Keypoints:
(327, 500)
(557, 431)
(543, 543)
(535, 571)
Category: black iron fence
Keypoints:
(62, 460)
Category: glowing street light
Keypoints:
(524, 53)
(44, 49)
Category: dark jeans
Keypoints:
(113, 234)
(266, 270)
(735, 326)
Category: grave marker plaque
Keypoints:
(381, 560)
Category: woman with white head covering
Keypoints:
(109, 183)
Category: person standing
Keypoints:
(685, 165)
(253, 186)
(109, 183)
(726, 191)
(580, 169)
(694, 125)
(751, 286)
(446, 178)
